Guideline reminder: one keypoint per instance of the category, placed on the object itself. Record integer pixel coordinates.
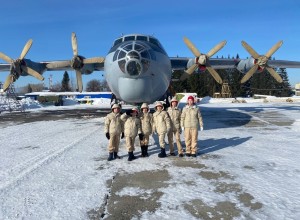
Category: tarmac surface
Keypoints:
(17, 117)
(116, 206)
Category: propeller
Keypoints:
(261, 62)
(18, 67)
(77, 62)
(202, 60)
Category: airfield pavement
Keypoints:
(191, 173)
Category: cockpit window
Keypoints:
(116, 55)
(118, 41)
(129, 38)
(138, 47)
(128, 47)
(142, 38)
(122, 54)
(154, 41)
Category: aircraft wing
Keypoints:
(182, 63)
(4, 67)
(283, 64)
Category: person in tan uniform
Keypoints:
(175, 114)
(132, 128)
(146, 124)
(113, 129)
(191, 119)
(161, 126)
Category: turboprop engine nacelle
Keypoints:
(245, 65)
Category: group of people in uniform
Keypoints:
(170, 122)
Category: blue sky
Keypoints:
(97, 23)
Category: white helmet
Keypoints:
(115, 106)
(158, 103)
(144, 105)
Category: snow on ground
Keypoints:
(248, 169)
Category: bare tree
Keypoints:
(56, 87)
(93, 86)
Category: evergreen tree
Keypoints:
(29, 88)
(65, 83)
(285, 85)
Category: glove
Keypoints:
(201, 128)
(182, 130)
(107, 135)
(122, 135)
(128, 112)
(141, 136)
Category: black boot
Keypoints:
(116, 156)
(146, 151)
(143, 150)
(110, 157)
(131, 156)
(162, 153)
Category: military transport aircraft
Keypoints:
(138, 69)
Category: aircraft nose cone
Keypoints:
(135, 90)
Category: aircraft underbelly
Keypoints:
(136, 90)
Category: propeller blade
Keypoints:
(79, 81)
(218, 47)
(32, 72)
(252, 52)
(74, 44)
(214, 74)
(249, 73)
(94, 60)
(274, 74)
(6, 58)
(58, 64)
(26, 49)
(192, 47)
(192, 69)
(8, 81)
(274, 49)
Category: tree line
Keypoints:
(260, 83)
(201, 83)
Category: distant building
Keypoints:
(55, 97)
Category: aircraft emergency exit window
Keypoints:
(142, 38)
(129, 38)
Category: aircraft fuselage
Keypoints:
(137, 69)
